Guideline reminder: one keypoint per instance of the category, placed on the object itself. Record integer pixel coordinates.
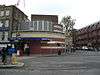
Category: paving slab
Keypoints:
(12, 65)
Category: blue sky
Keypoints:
(84, 11)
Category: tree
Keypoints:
(68, 24)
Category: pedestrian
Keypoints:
(28, 51)
(0, 51)
(59, 52)
(11, 51)
(4, 55)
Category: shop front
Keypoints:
(34, 45)
(39, 42)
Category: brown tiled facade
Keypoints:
(46, 23)
(52, 18)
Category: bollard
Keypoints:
(14, 59)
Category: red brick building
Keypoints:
(88, 36)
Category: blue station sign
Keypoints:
(34, 39)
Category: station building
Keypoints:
(45, 35)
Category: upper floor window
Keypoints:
(1, 23)
(7, 23)
(50, 26)
(40, 25)
(7, 12)
(35, 25)
(45, 25)
(6, 36)
(1, 13)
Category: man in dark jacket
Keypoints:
(59, 52)
(4, 55)
(11, 51)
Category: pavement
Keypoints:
(56, 65)
(10, 65)
(72, 64)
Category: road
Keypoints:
(56, 65)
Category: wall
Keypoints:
(35, 47)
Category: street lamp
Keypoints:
(3, 33)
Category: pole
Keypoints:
(3, 33)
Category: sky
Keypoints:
(85, 12)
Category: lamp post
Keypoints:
(3, 33)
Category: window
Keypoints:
(40, 25)
(0, 36)
(6, 36)
(31, 24)
(7, 12)
(1, 13)
(7, 23)
(1, 23)
(50, 26)
(35, 25)
(45, 25)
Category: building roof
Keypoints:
(42, 15)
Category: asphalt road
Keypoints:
(57, 65)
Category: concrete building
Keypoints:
(11, 19)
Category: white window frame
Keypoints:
(7, 12)
(39, 25)
(6, 36)
(1, 24)
(2, 13)
(36, 25)
(0, 36)
(7, 23)
(45, 23)
(48, 26)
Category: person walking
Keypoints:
(11, 51)
(27, 50)
(4, 55)
(59, 52)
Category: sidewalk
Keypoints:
(85, 53)
(9, 65)
(77, 53)
(12, 65)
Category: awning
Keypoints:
(55, 42)
(34, 39)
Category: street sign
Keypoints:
(4, 28)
